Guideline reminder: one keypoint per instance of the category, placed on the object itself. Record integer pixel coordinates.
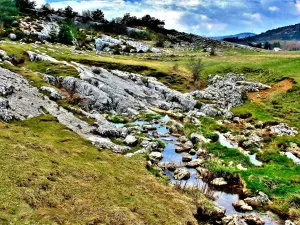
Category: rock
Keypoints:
(242, 205)
(12, 36)
(37, 57)
(260, 200)
(153, 147)
(233, 219)
(260, 125)
(283, 129)
(54, 94)
(219, 182)
(225, 92)
(131, 140)
(195, 138)
(182, 139)
(202, 153)
(293, 148)
(194, 163)
(25, 102)
(240, 167)
(203, 172)
(172, 166)
(289, 222)
(253, 219)
(155, 134)
(188, 145)
(246, 207)
(252, 141)
(181, 174)
(155, 156)
(186, 157)
(180, 149)
(192, 152)
(105, 40)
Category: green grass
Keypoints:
(50, 175)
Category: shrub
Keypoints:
(7, 12)
(196, 67)
(65, 35)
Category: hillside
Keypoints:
(126, 122)
(238, 36)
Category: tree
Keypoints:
(196, 67)
(69, 13)
(26, 6)
(7, 12)
(65, 35)
(46, 9)
(86, 16)
(98, 16)
(267, 45)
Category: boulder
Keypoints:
(12, 36)
(260, 200)
(194, 163)
(186, 157)
(54, 94)
(242, 205)
(219, 181)
(131, 140)
(253, 219)
(283, 129)
(33, 56)
(155, 156)
(240, 167)
(172, 166)
(188, 145)
(289, 222)
(203, 172)
(181, 174)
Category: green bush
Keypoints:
(65, 35)
(7, 12)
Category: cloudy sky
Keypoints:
(204, 17)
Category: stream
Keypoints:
(224, 198)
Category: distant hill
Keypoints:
(238, 36)
(286, 33)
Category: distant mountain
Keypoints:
(238, 36)
(286, 33)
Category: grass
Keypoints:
(50, 175)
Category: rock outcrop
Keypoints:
(19, 100)
(225, 93)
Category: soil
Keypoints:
(281, 87)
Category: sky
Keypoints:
(203, 17)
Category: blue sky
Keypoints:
(204, 17)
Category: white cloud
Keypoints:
(273, 8)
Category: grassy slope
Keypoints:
(49, 174)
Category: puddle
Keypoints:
(225, 142)
(293, 157)
(254, 161)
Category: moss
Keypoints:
(117, 119)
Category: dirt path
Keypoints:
(281, 87)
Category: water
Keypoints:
(224, 198)
(229, 144)
(293, 157)
(254, 161)
(226, 143)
